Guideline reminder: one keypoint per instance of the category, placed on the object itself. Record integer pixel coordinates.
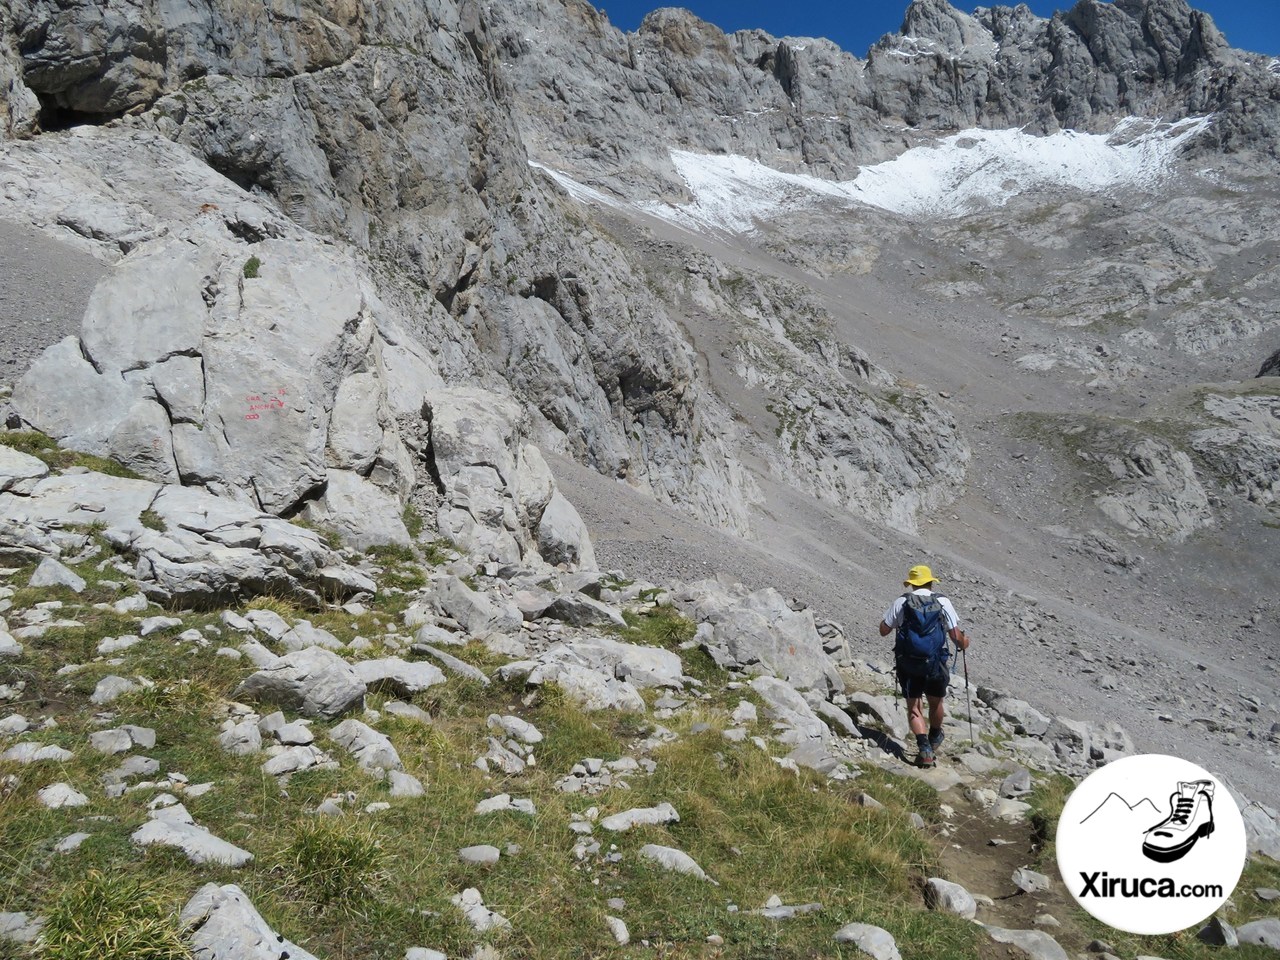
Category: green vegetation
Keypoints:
(47, 449)
(251, 268)
(113, 915)
(153, 521)
(335, 860)
(413, 523)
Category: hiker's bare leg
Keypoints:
(935, 715)
(915, 715)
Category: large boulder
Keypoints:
(261, 384)
(758, 632)
(500, 499)
(313, 682)
(224, 925)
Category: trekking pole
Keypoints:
(964, 656)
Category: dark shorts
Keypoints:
(915, 687)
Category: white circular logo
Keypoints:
(1151, 844)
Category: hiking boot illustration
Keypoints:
(1190, 818)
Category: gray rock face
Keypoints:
(277, 356)
(662, 814)
(51, 573)
(19, 927)
(173, 827)
(1262, 933)
(1271, 366)
(475, 611)
(397, 676)
(19, 471)
(758, 632)
(950, 897)
(313, 682)
(789, 711)
(225, 926)
(211, 551)
(1034, 943)
(874, 941)
(371, 749)
(672, 859)
(1155, 491)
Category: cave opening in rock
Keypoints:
(55, 117)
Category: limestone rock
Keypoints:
(59, 795)
(758, 632)
(394, 675)
(19, 927)
(482, 855)
(51, 573)
(225, 926)
(874, 941)
(19, 471)
(372, 750)
(475, 611)
(950, 897)
(173, 827)
(669, 858)
(1262, 933)
(481, 918)
(313, 682)
(660, 815)
(1034, 943)
(789, 711)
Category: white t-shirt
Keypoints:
(893, 616)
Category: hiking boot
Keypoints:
(1190, 818)
(935, 738)
(925, 758)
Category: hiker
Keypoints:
(924, 621)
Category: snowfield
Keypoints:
(960, 174)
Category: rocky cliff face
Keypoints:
(380, 164)
(615, 103)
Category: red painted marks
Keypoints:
(264, 403)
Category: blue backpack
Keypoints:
(921, 649)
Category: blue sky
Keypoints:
(856, 24)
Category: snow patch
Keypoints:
(962, 173)
(1274, 66)
(579, 191)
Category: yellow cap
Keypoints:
(918, 576)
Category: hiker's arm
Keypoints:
(959, 638)
(885, 629)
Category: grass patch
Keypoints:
(153, 521)
(413, 522)
(46, 448)
(335, 859)
(1047, 798)
(251, 268)
(113, 915)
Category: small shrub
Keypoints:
(251, 268)
(112, 915)
(412, 521)
(335, 860)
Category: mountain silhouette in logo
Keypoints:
(1117, 809)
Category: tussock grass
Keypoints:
(113, 915)
(335, 860)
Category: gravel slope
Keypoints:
(44, 288)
